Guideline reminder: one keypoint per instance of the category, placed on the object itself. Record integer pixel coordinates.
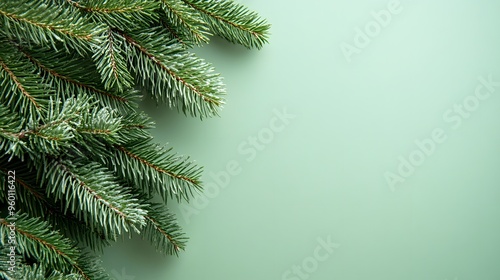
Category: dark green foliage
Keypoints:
(233, 21)
(184, 23)
(171, 239)
(87, 170)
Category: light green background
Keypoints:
(323, 174)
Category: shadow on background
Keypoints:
(137, 251)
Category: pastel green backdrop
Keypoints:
(363, 142)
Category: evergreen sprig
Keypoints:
(233, 21)
(107, 205)
(184, 23)
(36, 240)
(163, 231)
(21, 89)
(87, 170)
(174, 75)
(155, 169)
(72, 75)
(39, 22)
(33, 200)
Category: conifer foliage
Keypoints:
(73, 144)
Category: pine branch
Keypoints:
(102, 123)
(185, 23)
(16, 83)
(21, 88)
(10, 125)
(163, 231)
(112, 65)
(37, 272)
(55, 132)
(134, 127)
(35, 239)
(30, 198)
(233, 21)
(172, 33)
(39, 22)
(72, 227)
(91, 193)
(100, 129)
(5, 262)
(90, 268)
(71, 75)
(119, 13)
(151, 168)
(33, 200)
(97, 130)
(173, 75)
(110, 56)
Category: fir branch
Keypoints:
(71, 75)
(91, 193)
(18, 84)
(151, 168)
(163, 231)
(34, 201)
(31, 197)
(35, 239)
(184, 22)
(119, 13)
(90, 268)
(172, 33)
(32, 272)
(97, 129)
(21, 88)
(10, 125)
(233, 21)
(173, 75)
(134, 127)
(42, 23)
(5, 263)
(112, 65)
(54, 133)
